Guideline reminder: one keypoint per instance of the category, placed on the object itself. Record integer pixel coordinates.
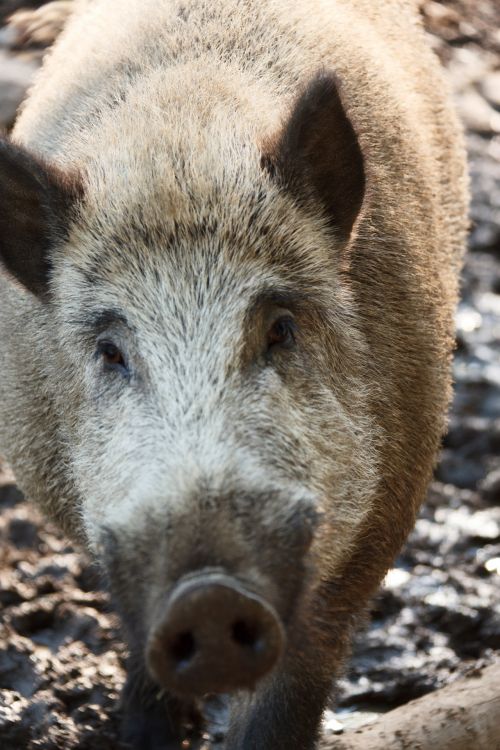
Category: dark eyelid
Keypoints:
(102, 341)
(285, 298)
(108, 319)
(101, 320)
(288, 319)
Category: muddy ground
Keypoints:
(438, 614)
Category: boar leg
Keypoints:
(283, 715)
(152, 720)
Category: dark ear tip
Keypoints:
(17, 157)
(325, 82)
(317, 156)
(35, 200)
(13, 155)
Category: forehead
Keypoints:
(191, 240)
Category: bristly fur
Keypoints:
(237, 160)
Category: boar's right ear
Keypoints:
(34, 204)
(317, 155)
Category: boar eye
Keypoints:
(112, 357)
(282, 333)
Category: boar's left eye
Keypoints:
(112, 357)
(282, 333)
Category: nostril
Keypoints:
(183, 648)
(213, 636)
(246, 634)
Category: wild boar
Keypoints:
(231, 235)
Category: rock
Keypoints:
(442, 20)
(7, 37)
(490, 486)
(490, 88)
(10, 495)
(454, 469)
(12, 709)
(16, 76)
(477, 114)
(468, 66)
(7, 7)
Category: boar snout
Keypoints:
(214, 636)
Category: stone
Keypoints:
(477, 114)
(490, 88)
(16, 75)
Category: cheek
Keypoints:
(127, 468)
(114, 510)
(110, 458)
(330, 443)
(116, 491)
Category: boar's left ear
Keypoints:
(317, 155)
(34, 204)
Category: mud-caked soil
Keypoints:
(438, 613)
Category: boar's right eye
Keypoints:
(112, 357)
(282, 333)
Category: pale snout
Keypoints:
(215, 636)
